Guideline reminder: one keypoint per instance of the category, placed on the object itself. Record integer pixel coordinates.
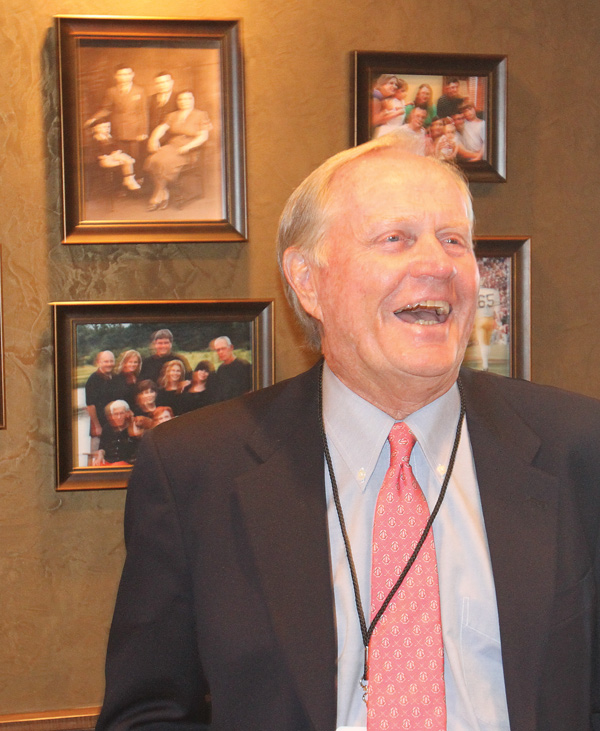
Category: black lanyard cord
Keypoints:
(367, 632)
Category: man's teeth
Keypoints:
(434, 312)
(440, 307)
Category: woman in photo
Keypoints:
(171, 384)
(201, 392)
(424, 100)
(127, 372)
(188, 129)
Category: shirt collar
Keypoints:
(359, 430)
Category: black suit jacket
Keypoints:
(227, 583)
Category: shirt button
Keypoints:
(361, 474)
(441, 468)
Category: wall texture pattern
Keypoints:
(60, 555)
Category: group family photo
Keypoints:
(150, 127)
(443, 116)
(130, 377)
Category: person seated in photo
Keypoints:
(106, 150)
(413, 131)
(202, 390)
(119, 441)
(188, 129)
(171, 383)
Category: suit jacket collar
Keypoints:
(519, 503)
(283, 499)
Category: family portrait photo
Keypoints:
(122, 369)
(151, 121)
(152, 129)
(448, 106)
(130, 377)
(444, 116)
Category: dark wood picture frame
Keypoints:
(369, 65)
(73, 323)
(2, 384)
(97, 209)
(505, 264)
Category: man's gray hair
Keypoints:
(226, 339)
(304, 222)
(116, 404)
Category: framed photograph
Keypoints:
(501, 337)
(122, 368)
(450, 106)
(152, 130)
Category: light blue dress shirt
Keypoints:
(357, 436)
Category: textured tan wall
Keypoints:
(60, 555)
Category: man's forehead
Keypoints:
(400, 169)
(402, 188)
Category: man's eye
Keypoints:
(392, 238)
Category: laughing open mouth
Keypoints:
(430, 312)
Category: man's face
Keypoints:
(123, 77)
(417, 118)
(224, 351)
(105, 362)
(459, 121)
(452, 90)
(163, 84)
(118, 417)
(470, 113)
(162, 346)
(396, 295)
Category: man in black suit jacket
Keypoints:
(226, 614)
(163, 101)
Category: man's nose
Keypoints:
(430, 259)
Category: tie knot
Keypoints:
(402, 441)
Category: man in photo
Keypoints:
(161, 345)
(453, 512)
(98, 393)
(163, 101)
(450, 101)
(118, 443)
(124, 105)
(473, 133)
(234, 375)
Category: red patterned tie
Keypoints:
(406, 654)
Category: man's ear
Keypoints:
(300, 274)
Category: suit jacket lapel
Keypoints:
(520, 511)
(283, 500)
